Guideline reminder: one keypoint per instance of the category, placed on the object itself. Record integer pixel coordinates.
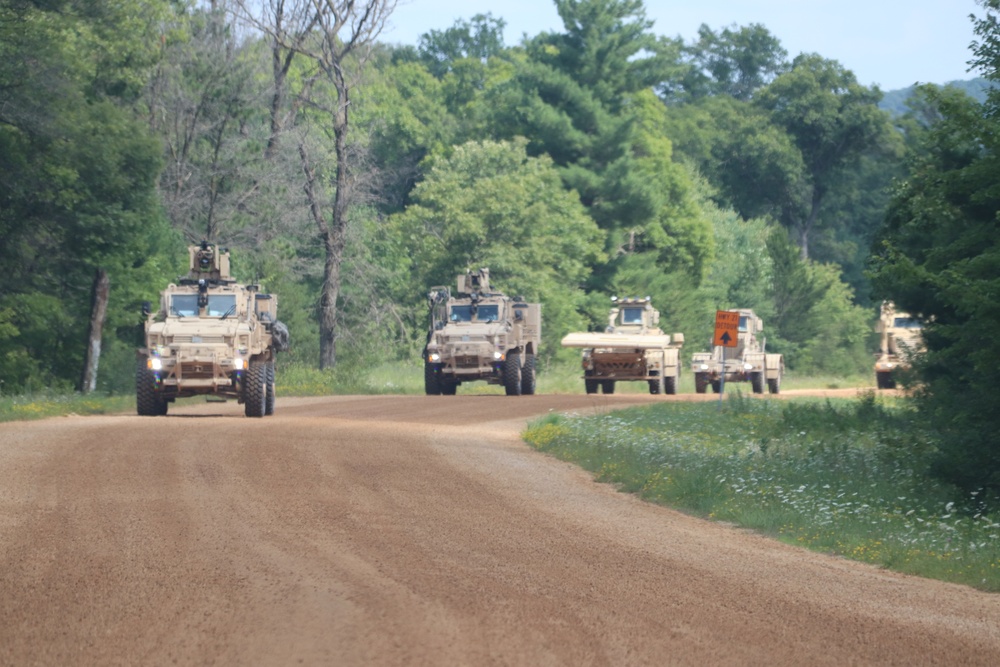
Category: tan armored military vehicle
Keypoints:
(746, 362)
(210, 336)
(900, 339)
(479, 334)
(632, 348)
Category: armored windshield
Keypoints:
(184, 305)
(744, 323)
(487, 313)
(632, 316)
(906, 323)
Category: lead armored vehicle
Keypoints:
(632, 348)
(746, 362)
(210, 336)
(479, 334)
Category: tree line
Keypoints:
(350, 174)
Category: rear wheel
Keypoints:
(269, 390)
(528, 375)
(757, 382)
(432, 379)
(670, 385)
(774, 385)
(608, 386)
(654, 385)
(701, 382)
(512, 374)
(255, 389)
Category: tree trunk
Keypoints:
(98, 312)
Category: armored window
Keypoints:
(488, 313)
(461, 314)
(221, 304)
(184, 305)
(906, 323)
(744, 320)
(632, 316)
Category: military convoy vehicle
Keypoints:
(210, 336)
(479, 334)
(900, 339)
(632, 348)
(747, 361)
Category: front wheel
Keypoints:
(432, 379)
(701, 382)
(148, 402)
(670, 385)
(655, 387)
(757, 382)
(512, 374)
(255, 389)
(774, 385)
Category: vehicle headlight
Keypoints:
(498, 355)
(434, 356)
(238, 363)
(703, 367)
(748, 367)
(155, 363)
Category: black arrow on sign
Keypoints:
(725, 338)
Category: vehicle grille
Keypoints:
(206, 340)
(197, 370)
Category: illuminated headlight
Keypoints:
(155, 363)
(890, 365)
(434, 356)
(748, 367)
(238, 363)
(703, 367)
(498, 355)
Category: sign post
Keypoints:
(727, 324)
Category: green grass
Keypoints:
(848, 477)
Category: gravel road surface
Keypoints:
(412, 530)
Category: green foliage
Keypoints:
(735, 62)
(489, 204)
(939, 258)
(845, 477)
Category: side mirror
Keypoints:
(147, 308)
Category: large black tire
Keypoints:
(701, 382)
(608, 386)
(757, 382)
(255, 389)
(716, 386)
(269, 390)
(147, 402)
(774, 385)
(670, 385)
(432, 379)
(528, 375)
(512, 374)
(590, 386)
(654, 385)
(448, 387)
(884, 380)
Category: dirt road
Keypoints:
(411, 531)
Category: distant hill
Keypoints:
(894, 101)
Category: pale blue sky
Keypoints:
(891, 43)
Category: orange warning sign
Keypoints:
(726, 328)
